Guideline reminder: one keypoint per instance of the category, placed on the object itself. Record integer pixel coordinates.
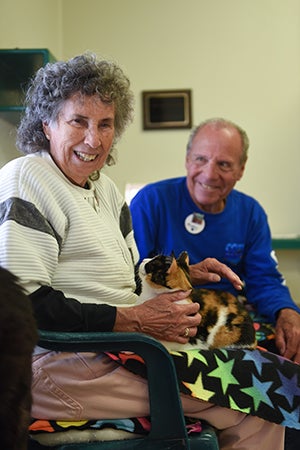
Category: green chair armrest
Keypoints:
(167, 419)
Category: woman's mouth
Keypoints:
(85, 156)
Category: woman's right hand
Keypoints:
(161, 317)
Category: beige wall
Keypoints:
(31, 24)
(241, 59)
(27, 24)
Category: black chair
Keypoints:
(168, 428)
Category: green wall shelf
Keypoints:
(286, 243)
(17, 66)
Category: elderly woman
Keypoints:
(66, 233)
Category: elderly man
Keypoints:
(203, 214)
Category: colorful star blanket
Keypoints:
(140, 425)
(256, 382)
(136, 425)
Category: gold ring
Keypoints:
(186, 332)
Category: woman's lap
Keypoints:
(68, 386)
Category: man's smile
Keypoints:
(207, 187)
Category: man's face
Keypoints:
(81, 138)
(213, 166)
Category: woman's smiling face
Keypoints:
(82, 136)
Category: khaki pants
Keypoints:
(69, 386)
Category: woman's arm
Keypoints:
(55, 312)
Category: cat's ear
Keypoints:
(173, 267)
(183, 258)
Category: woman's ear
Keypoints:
(46, 130)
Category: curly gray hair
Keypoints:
(219, 122)
(56, 82)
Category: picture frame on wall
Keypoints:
(165, 109)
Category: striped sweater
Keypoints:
(72, 248)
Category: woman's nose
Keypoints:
(92, 138)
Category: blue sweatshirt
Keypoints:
(166, 219)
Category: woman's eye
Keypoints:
(105, 125)
(77, 122)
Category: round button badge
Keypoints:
(194, 223)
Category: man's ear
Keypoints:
(242, 170)
(186, 161)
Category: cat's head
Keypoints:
(164, 273)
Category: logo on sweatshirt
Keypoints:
(234, 252)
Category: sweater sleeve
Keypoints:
(41, 231)
(55, 312)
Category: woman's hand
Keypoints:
(210, 270)
(161, 317)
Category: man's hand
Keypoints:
(288, 334)
(210, 270)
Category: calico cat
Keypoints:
(225, 322)
(18, 336)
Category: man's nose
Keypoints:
(211, 169)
